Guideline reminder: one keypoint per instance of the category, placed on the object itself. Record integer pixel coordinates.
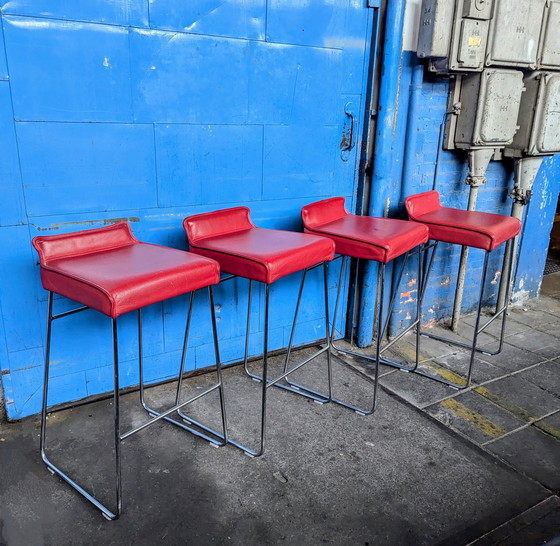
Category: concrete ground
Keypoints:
(433, 465)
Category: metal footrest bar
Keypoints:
(313, 395)
(381, 331)
(216, 438)
(164, 414)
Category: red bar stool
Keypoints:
(264, 255)
(109, 270)
(475, 229)
(381, 240)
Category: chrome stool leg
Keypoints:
(266, 383)
(109, 514)
(292, 387)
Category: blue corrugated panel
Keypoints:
(20, 289)
(121, 12)
(69, 167)
(356, 47)
(184, 78)
(68, 71)
(314, 23)
(299, 161)
(3, 65)
(208, 164)
(13, 207)
(234, 18)
(294, 85)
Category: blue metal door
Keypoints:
(151, 111)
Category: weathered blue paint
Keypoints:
(112, 12)
(150, 111)
(84, 67)
(245, 19)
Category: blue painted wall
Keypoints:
(152, 110)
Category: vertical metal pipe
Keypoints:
(473, 194)
(525, 172)
(387, 140)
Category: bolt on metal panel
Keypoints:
(549, 51)
(515, 31)
(489, 107)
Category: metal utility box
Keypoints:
(539, 117)
(454, 34)
(549, 50)
(489, 106)
(434, 34)
(515, 30)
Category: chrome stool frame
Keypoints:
(217, 439)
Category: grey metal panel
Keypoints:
(539, 117)
(547, 120)
(499, 106)
(477, 9)
(472, 44)
(549, 51)
(515, 30)
(489, 107)
(434, 34)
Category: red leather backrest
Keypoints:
(422, 203)
(323, 212)
(219, 222)
(79, 243)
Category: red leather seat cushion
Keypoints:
(378, 239)
(470, 228)
(265, 255)
(108, 269)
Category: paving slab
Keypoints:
(521, 398)
(475, 417)
(550, 425)
(513, 358)
(328, 476)
(535, 341)
(532, 452)
(545, 375)
(538, 525)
